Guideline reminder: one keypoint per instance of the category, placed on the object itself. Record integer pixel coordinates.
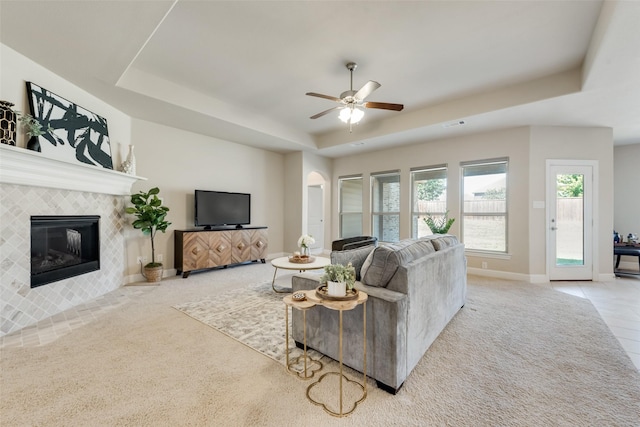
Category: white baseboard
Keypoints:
(535, 278)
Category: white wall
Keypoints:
(527, 150)
(17, 69)
(588, 143)
(626, 196)
(179, 162)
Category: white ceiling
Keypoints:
(239, 70)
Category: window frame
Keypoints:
(463, 215)
(415, 214)
(375, 213)
(342, 213)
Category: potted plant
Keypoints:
(33, 129)
(439, 225)
(338, 279)
(150, 218)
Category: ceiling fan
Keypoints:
(350, 100)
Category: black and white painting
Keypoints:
(76, 134)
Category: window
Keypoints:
(484, 207)
(350, 206)
(385, 206)
(428, 196)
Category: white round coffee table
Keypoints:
(284, 263)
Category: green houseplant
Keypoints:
(150, 218)
(33, 128)
(439, 225)
(334, 274)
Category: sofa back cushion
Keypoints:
(383, 261)
(444, 241)
(354, 256)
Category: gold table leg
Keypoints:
(363, 386)
(307, 373)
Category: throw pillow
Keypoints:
(365, 266)
(354, 256)
(444, 242)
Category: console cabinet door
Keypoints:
(259, 243)
(219, 248)
(195, 252)
(241, 246)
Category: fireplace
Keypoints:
(63, 247)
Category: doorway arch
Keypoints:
(315, 218)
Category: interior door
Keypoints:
(570, 221)
(315, 219)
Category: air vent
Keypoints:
(453, 124)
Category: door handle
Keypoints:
(554, 228)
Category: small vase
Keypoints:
(129, 165)
(34, 144)
(336, 289)
(305, 251)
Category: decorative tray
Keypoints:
(321, 292)
(297, 259)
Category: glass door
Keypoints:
(569, 196)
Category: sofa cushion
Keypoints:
(445, 241)
(354, 256)
(385, 259)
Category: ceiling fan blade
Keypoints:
(319, 95)
(325, 112)
(366, 90)
(384, 106)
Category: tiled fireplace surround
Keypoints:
(80, 190)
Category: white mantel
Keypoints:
(26, 167)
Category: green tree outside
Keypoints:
(570, 185)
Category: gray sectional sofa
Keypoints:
(415, 288)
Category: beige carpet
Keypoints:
(516, 355)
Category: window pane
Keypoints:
(351, 195)
(429, 195)
(350, 225)
(486, 233)
(569, 220)
(484, 206)
(386, 227)
(350, 209)
(385, 206)
(386, 193)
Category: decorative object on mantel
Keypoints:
(76, 133)
(7, 123)
(338, 279)
(304, 242)
(33, 129)
(151, 218)
(129, 165)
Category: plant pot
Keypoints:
(153, 274)
(336, 289)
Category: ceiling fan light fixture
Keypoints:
(351, 115)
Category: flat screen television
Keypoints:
(219, 208)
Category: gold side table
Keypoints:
(306, 359)
(341, 306)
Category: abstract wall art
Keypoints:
(75, 133)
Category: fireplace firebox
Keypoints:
(63, 247)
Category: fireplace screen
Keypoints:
(63, 247)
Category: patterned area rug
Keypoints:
(255, 316)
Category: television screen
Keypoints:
(217, 208)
